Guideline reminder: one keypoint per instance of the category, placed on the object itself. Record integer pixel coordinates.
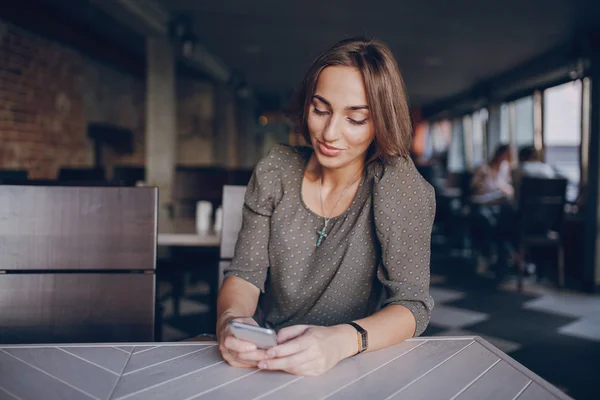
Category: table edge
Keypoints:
(523, 369)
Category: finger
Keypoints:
(235, 344)
(232, 359)
(255, 355)
(290, 347)
(236, 363)
(286, 363)
(291, 332)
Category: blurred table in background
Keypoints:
(182, 232)
(188, 252)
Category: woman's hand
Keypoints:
(236, 352)
(310, 350)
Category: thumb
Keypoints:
(291, 332)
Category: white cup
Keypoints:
(203, 216)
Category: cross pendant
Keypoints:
(322, 235)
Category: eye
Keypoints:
(319, 112)
(355, 122)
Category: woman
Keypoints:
(327, 227)
(494, 216)
(492, 181)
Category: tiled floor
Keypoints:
(554, 333)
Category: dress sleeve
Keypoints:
(404, 210)
(251, 258)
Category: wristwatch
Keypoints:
(362, 337)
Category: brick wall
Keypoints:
(42, 118)
(115, 97)
(49, 92)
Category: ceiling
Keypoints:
(443, 47)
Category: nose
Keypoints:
(332, 132)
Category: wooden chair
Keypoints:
(13, 176)
(95, 174)
(541, 215)
(233, 205)
(78, 264)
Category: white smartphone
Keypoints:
(263, 338)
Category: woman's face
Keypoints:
(339, 122)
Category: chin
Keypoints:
(332, 162)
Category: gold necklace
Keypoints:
(321, 233)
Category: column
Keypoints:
(225, 143)
(591, 267)
(161, 135)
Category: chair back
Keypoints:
(233, 205)
(128, 175)
(541, 206)
(78, 264)
(96, 174)
(13, 176)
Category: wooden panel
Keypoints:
(267, 385)
(233, 204)
(165, 372)
(126, 349)
(112, 359)
(500, 382)
(26, 382)
(84, 376)
(196, 382)
(348, 371)
(139, 349)
(451, 377)
(536, 392)
(74, 228)
(401, 371)
(157, 355)
(62, 308)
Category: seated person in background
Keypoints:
(492, 195)
(530, 165)
(491, 182)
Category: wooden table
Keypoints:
(182, 232)
(422, 368)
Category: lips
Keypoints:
(329, 151)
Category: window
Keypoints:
(456, 152)
(562, 132)
(478, 135)
(523, 122)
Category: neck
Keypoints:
(339, 178)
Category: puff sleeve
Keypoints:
(264, 191)
(404, 210)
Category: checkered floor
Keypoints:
(554, 333)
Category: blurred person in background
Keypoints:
(492, 182)
(530, 165)
(331, 230)
(492, 198)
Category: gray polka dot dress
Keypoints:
(376, 253)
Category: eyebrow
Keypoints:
(349, 108)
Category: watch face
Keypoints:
(363, 341)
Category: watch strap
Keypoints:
(362, 337)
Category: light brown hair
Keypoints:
(386, 94)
